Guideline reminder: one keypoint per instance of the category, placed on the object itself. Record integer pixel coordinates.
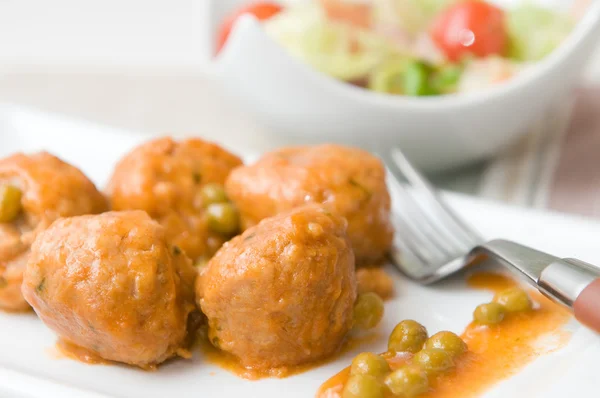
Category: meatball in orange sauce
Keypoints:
(347, 181)
(35, 190)
(112, 285)
(165, 178)
(282, 293)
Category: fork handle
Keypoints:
(575, 284)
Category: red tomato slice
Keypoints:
(470, 28)
(261, 10)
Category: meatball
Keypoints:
(348, 181)
(165, 178)
(282, 293)
(111, 284)
(13, 257)
(35, 190)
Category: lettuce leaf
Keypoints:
(336, 49)
(535, 32)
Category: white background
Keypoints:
(99, 33)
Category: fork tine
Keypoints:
(416, 241)
(453, 222)
(407, 243)
(445, 238)
(409, 262)
(420, 224)
(416, 257)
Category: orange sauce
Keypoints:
(65, 349)
(495, 353)
(375, 280)
(72, 351)
(232, 364)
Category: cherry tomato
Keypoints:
(470, 28)
(262, 10)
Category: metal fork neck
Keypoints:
(561, 280)
(529, 262)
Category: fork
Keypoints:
(433, 242)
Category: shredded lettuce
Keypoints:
(413, 16)
(482, 73)
(343, 52)
(336, 49)
(446, 78)
(388, 77)
(413, 77)
(535, 32)
(416, 79)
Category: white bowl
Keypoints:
(299, 104)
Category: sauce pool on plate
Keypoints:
(229, 362)
(494, 352)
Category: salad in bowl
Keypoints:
(359, 74)
(412, 47)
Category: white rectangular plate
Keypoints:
(29, 369)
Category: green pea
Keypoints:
(223, 218)
(448, 342)
(416, 77)
(514, 300)
(363, 386)
(407, 336)
(371, 364)
(489, 314)
(433, 360)
(213, 193)
(407, 381)
(10, 203)
(368, 311)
